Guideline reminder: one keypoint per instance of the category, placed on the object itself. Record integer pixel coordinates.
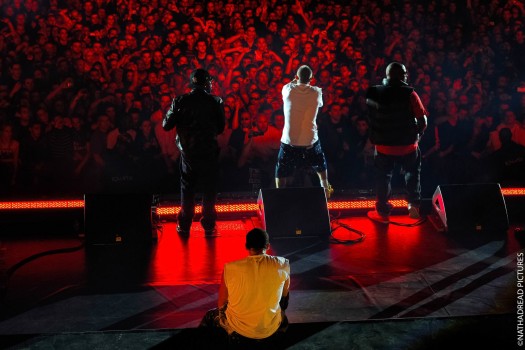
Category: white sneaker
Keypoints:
(329, 191)
(413, 212)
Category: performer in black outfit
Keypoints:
(199, 118)
(397, 122)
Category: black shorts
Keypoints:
(291, 157)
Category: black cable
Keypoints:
(336, 224)
(419, 222)
(10, 271)
(156, 222)
(21, 263)
(335, 221)
(414, 224)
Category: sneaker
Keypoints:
(182, 232)
(329, 191)
(374, 215)
(413, 212)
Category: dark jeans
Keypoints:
(290, 158)
(211, 322)
(384, 167)
(198, 174)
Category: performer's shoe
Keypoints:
(183, 232)
(212, 233)
(374, 215)
(329, 191)
(413, 212)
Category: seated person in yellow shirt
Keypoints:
(254, 292)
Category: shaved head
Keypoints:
(396, 71)
(304, 73)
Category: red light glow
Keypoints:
(52, 204)
(221, 208)
(252, 208)
(513, 191)
(362, 204)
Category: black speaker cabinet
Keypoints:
(471, 207)
(117, 218)
(294, 212)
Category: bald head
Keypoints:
(396, 71)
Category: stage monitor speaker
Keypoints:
(294, 212)
(118, 218)
(471, 207)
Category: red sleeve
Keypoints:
(417, 106)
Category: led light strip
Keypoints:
(513, 191)
(52, 204)
(250, 208)
(221, 208)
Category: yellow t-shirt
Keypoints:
(255, 286)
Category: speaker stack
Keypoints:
(294, 212)
(471, 208)
(118, 219)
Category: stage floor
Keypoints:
(74, 295)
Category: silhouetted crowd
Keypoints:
(84, 86)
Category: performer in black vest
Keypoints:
(397, 122)
(199, 118)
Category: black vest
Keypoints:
(392, 122)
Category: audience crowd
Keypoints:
(84, 86)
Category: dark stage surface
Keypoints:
(401, 287)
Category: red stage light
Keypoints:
(52, 204)
(252, 207)
(359, 204)
(513, 191)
